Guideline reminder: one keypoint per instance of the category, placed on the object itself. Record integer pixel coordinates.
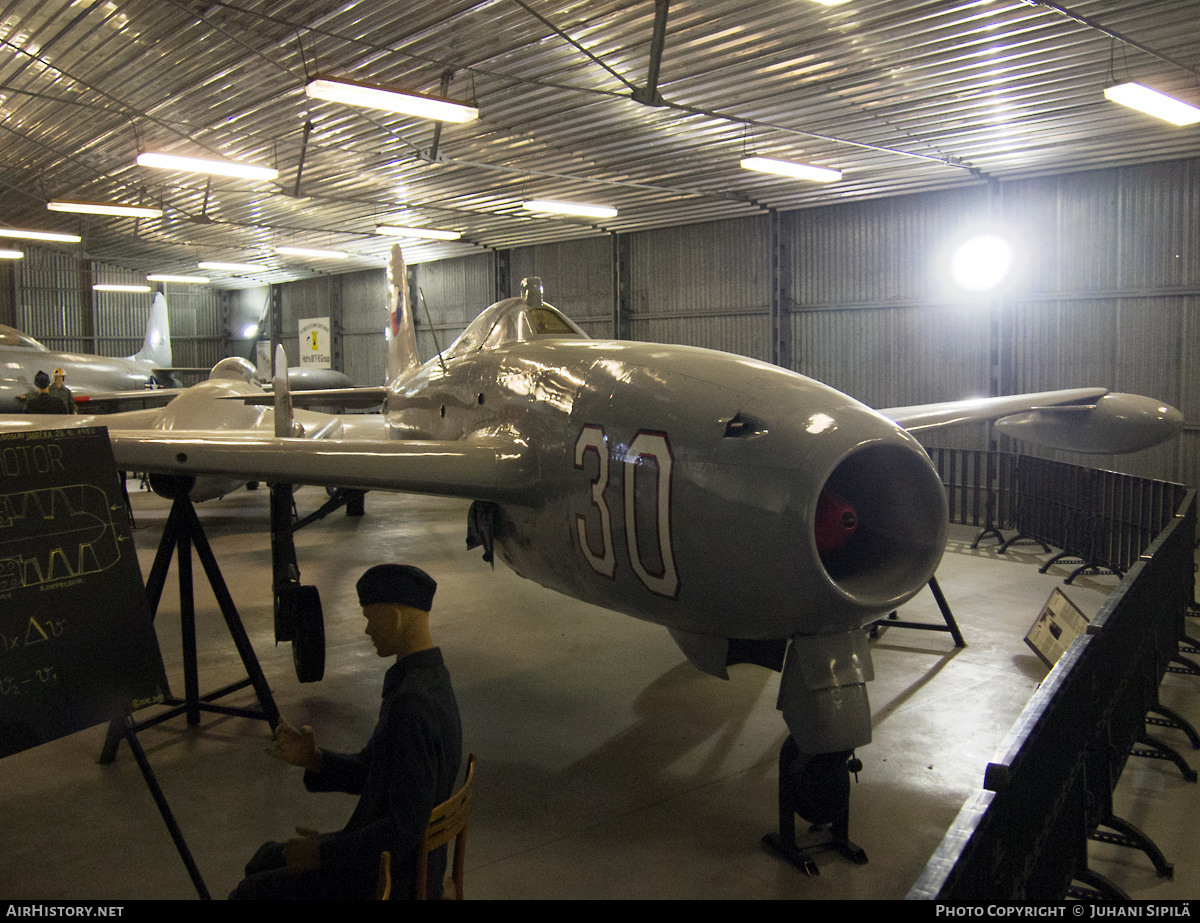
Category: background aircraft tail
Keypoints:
(156, 349)
(402, 333)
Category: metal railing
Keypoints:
(1024, 834)
(1103, 518)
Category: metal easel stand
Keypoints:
(164, 809)
(893, 620)
(183, 530)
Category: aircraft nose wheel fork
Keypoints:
(816, 787)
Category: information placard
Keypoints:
(1058, 624)
(77, 645)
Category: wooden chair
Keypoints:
(447, 822)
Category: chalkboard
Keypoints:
(77, 645)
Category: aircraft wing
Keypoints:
(344, 397)
(111, 401)
(494, 466)
(982, 409)
(1091, 420)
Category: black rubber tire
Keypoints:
(308, 645)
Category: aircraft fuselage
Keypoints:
(680, 485)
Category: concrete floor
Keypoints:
(609, 767)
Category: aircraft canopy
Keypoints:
(513, 321)
(12, 337)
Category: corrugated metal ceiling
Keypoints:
(901, 95)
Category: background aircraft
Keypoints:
(21, 357)
(758, 515)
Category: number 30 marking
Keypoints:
(645, 445)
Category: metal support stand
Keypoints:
(1022, 537)
(1096, 887)
(164, 809)
(1153, 749)
(1181, 664)
(828, 773)
(1126, 834)
(987, 532)
(893, 621)
(183, 529)
(1090, 570)
(1172, 719)
(352, 500)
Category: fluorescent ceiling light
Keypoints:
(106, 287)
(392, 230)
(316, 254)
(580, 209)
(216, 167)
(100, 208)
(186, 280)
(232, 267)
(794, 170)
(11, 255)
(40, 235)
(371, 97)
(1159, 105)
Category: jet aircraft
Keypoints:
(21, 357)
(760, 516)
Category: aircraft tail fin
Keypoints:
(156, 349)
(402, 355)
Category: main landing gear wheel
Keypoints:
(817, 788)
(300, 620)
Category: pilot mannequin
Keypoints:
(406, 769)
(41, 401)
(62, 392)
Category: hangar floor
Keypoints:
(608, 766)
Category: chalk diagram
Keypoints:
(55, 533)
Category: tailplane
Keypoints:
(157, 346)
(402, 355)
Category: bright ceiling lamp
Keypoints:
(40, 235)
(789, 168)
(392, 230)
(371, 97)
(11, 255)
(101, 208)
(232, 267)
(1159, 105)
(578, 209)
(215, 167)
(315, 253)
(183, 280)
(981, 263)
(109, 287)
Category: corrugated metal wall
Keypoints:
(198, 324)
(364, 316)
(49, 306)
(8, 302)
(703, 285)
(455, 291)
(577, 278)
(52, 293)
(1110, 294)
